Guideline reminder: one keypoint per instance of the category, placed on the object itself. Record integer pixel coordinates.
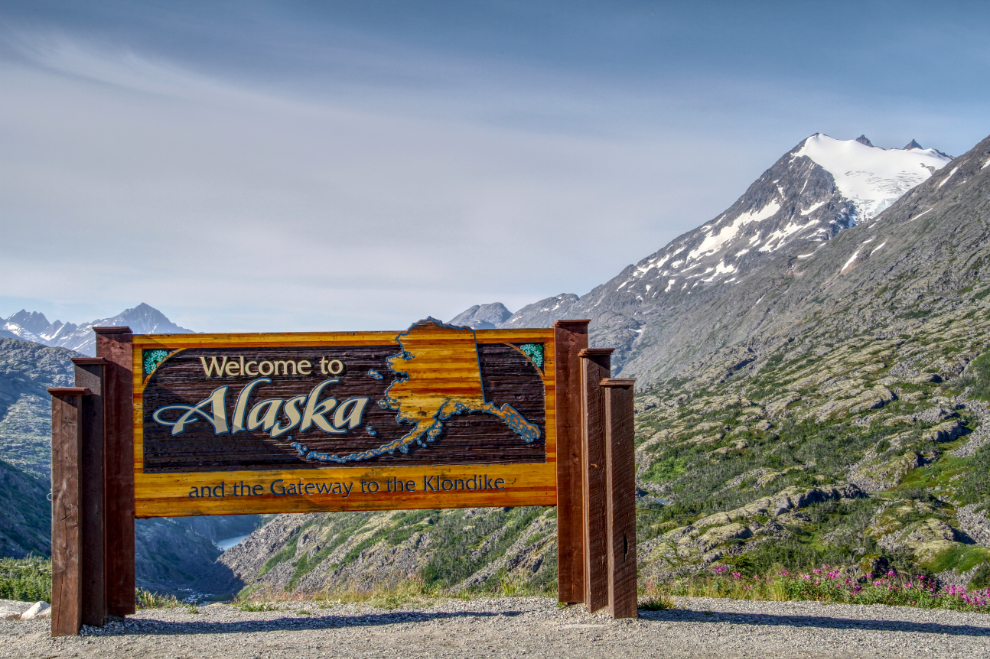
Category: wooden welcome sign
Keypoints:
(436, 416)
(433, 417)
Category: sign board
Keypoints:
(434, 417)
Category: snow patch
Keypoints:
(954, 170)
(850, 261)
(713, 243)
(985, 165)
(780, 235)
(670, 285)
(811, 209)
(878, 248)
(871, 177)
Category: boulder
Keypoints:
(37, 611)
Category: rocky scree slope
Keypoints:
(487, 548)
(848, 427)
(658, 313)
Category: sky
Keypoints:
(290, 166)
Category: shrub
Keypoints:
(26, 579)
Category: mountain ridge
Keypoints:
(789, 212)
(35, 327)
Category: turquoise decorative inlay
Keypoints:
(152, 358)
(535, 352)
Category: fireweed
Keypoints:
(827, 584)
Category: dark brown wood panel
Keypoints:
(570, 337)
(621, 490)
(89, 375)
(595, 366)
(114, 345)
(508, 377)
(67, 585)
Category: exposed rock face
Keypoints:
(698, 541)
(703, 290)
(485, 316)
(481, 548)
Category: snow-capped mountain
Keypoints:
(820, 187)
(870, 177)
(33, 326)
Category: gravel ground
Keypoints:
(513, 627)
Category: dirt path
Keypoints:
(520, 627)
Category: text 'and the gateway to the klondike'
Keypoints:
(344, 488)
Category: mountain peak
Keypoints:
(483, 316)
(870, 177)
(863, 139)
(33, 321)
(913, 144)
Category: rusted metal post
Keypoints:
(570, 337)
(114, 344)
(595, 367)
(620, 475)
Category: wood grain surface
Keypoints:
(114, 344)
(67, 583)
(570, 337)
(89, 375)
(169, 468)
(621, 493)
(595, 366)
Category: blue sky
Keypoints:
(329, 165)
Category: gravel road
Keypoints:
(514, 627)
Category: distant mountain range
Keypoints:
(663, 311)
(33, 326)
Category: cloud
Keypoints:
(284, 176)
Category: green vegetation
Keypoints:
(823, 585)
(981, 373)
(146, 599)
(26, 579)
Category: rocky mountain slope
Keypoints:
(835, 413)
(26, 370)
(174, 556)
(33, 326)
(651, 311)
(26, 517)
(484, 316)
